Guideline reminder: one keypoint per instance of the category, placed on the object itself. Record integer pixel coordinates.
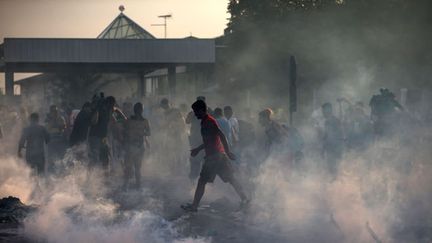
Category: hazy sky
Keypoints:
(87, 18)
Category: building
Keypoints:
(125, 61)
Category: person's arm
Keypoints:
(62, 123)
(124, 131)
(182, 122)
(236, 131)
(195, 151)
(234, 138)
(267, 147)
(47, 136)
(146, 142)
(94, 118)
(147, 131)
(189, 117)
(398, 105)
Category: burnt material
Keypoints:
(13, 211)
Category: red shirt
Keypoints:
(209, 132)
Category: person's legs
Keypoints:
(239, 189)
(225, 171)
(199, 192)
(56, 150)
(127, 169)
(40, 166)
(36, 163)
(195, 166)
(104, 154)
(333, 159)
(208, 174)
(94, 149)
(137, 166)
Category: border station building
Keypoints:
(125, 61)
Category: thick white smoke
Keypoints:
(77, 208)
(15, 179)
(379, 192)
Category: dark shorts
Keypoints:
(216, 164)
(36, 162)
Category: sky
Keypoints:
(87, 18)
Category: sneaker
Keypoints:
(189, 208)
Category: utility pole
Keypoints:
(165, 17)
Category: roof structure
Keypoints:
(122, 27)
(130, 48)
(45, 54)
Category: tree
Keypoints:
(330, 38)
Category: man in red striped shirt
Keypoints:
(217, 155)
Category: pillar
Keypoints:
(141, 86)
(9, 83)
(172, 81)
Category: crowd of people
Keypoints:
(176, 138)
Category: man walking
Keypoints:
(332, 141)
(216, 162)
(229, 115)
(81, 126)
(33, 139)
(99, 150)
(136, 129)
(194, 141)
(55, 125)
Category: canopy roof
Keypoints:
(122, 27)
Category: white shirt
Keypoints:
(235, 128)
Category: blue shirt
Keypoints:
(226, 128)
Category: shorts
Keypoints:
(37, 163)
(216, 164)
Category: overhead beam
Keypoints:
(126, 51)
